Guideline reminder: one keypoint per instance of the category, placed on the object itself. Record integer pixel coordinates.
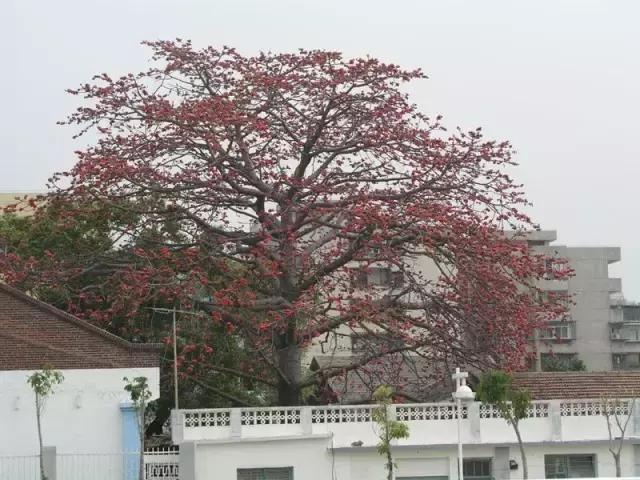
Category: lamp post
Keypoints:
(462, 394)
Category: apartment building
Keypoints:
(601, 330)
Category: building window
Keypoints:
(631, 313)
(265, 473)
(558, 331)
(554, 268)
(477, 468)
(569, 466)
(626, 361)
(379, 277)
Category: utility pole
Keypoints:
(174, 335)
(175, 362)
(173, 311)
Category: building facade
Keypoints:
(89, 412)
(601, 331)
(563, 439)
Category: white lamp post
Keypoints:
(462, 394)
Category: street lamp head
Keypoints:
(464, 393)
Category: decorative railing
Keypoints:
(207, 418)
(341, 414)
(270, 416)
(429, 411)
(535, 410)
(588, 408)
(336, 414)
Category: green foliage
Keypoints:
(496, 388)
(389, 429)
(555, 364)
(44, 381)
(138, 389)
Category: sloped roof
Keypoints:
(573, 385)
(34, 334)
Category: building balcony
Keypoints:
(560, 331)
(429, 423)
(625, 331)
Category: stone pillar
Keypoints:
(177, 426)
(235, 419)
(49, 462)
(636, 460)
(501, 470)
(556, 420)
(187, 461)
(473, 414)
(305, 420)
(636, 417)
(130, 441)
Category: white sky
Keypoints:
(560, 79)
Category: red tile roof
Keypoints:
(567, 385)
(34, 334)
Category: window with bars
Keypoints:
(379, 277)
(285, 473)
(569, 466)
(477, 468)
(558, 331)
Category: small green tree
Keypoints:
(497, 389)
(389, 428)
(140, 394)
(43, 382)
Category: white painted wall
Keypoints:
(309, 457)
(313, 459)
(82, 416)
(314, 439)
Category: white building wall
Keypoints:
(312, 458)
(82, 416)
(342, 440)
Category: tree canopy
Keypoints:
(262, 188)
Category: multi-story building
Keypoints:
(601, 330)
(624, 332)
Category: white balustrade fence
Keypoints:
(430, 423)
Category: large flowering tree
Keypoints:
(263, 188)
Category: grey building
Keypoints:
(602, 330)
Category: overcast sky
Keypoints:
(559, 79)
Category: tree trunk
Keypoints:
(616, 458)
(42, 476)
(525, 470)
(389, 464)
(289, 364)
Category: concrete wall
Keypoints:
(313, 458)
(82, 416)
(590, 289)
